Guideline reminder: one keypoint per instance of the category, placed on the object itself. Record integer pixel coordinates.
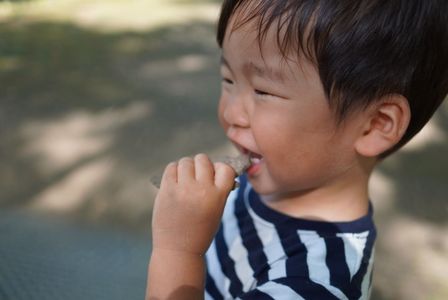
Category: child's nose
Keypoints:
(235, 112)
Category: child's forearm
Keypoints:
(175, 275)
(186, 215)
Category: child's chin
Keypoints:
(262, 188)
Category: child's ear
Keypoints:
(385, 125)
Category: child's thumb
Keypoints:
(224, 176)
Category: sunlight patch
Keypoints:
(110, 16)
(69, 193)
(430, 134)
(192, 63)
(58, 144)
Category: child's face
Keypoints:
(276, 109)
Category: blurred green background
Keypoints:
(95, 96)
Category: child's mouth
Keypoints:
(255, 163)
(256, 160)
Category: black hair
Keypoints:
(364, 50)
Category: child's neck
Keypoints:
(335, 203)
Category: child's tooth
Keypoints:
(255, 160)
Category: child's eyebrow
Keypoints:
(264, 72)
(251, 68)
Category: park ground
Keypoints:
(95, 96)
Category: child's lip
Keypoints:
(254, 168)
(247, 151)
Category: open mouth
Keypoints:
(255, 161)
(255, 158)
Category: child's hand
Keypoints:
(189, 205)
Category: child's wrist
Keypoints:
(176, 274)
(186, 265)
(173, 252)
(181, 242)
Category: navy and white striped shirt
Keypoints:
(259, 253)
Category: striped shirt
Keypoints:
(259, 253)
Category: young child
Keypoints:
(316, 93)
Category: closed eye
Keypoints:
(262, 93)
(227, 80)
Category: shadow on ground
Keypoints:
(85, 118)
(78, 105)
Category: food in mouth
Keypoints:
(238, 163)
(255, 160)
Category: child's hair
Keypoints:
(363, 50)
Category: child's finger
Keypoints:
(224, 176)
(170, 174)
(203, 168)
(185, 170)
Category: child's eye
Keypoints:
(262, 93)
(227, 80)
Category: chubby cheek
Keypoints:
(293, 152)
(221, 107)
(277, 144)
